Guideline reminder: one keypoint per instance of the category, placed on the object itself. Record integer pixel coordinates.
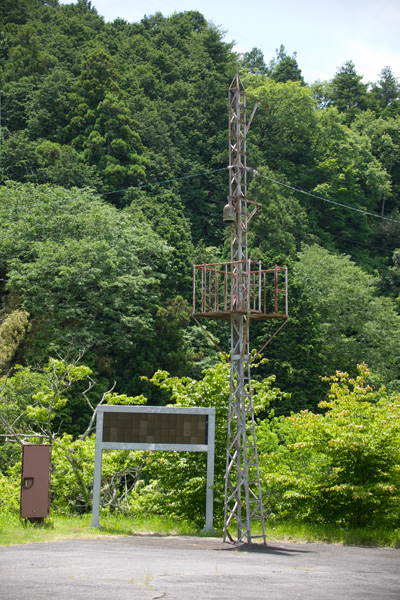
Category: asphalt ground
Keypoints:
(188, 568)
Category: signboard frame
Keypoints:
(208, 446)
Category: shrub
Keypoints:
(341, 466)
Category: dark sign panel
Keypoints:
(154, 428)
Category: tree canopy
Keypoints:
(113, 172)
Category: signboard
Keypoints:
(155, 428)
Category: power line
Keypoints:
(145, 185)
(156, 183)
(336, 202)
(210, 172)
(350, 242)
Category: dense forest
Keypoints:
(114, 154)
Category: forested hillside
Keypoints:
(114, 154)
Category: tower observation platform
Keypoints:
(221, 290)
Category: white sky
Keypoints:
(324, 34)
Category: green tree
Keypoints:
(43, 161)
(383, 135)
(101, 124)
(357, 324)
(28, 58)
(15, 99)
(321, 92)
(16, 393)
(390, 279)
(285, 68)
(348, 93)
(88, 276)
(282, 225)
(296, 355)
(18, 160)
(63, 165)
(346, 170)
(283, 129)
(49, 104)
(386, 93)
(163, 211)
(253, 62)
(16, 12)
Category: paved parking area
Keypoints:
(186, 568)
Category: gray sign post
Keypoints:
(155, 428)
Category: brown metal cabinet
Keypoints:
(35, 481)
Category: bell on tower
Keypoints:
(229, 214)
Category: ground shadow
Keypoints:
(263, 549)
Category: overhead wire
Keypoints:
(351, 242)
(144, 185)
(156, 183)
(329, 200)
(210, 172)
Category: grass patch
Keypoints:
(59, 526)
(294, 531)
(13, 530)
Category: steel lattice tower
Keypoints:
(243, 500)
(239, 291)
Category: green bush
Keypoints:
(341, 466)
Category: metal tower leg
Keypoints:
(243, 501)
